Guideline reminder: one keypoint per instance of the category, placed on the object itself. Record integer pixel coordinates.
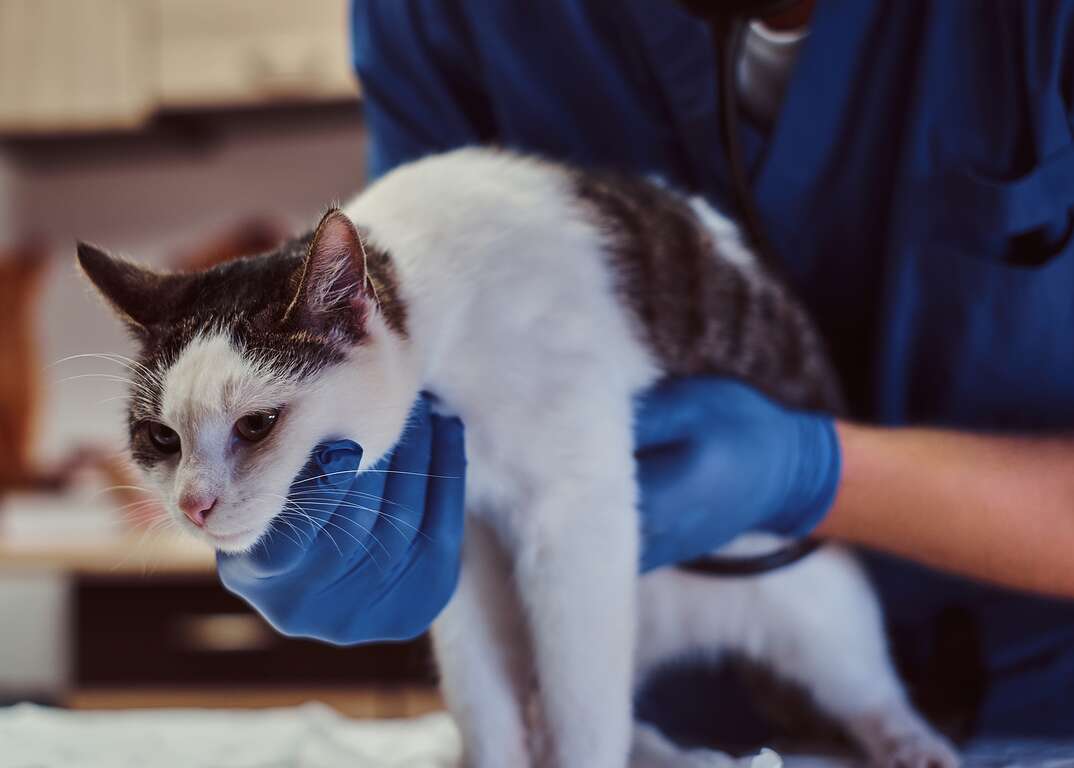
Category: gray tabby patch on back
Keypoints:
(703, 311)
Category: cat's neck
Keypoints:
(384, 280)
(421, 302)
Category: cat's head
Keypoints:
(244, 367)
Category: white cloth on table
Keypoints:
(309, 736)
(315, 736)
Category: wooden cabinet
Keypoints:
(189, 631)
(110, 64)
(123, 623)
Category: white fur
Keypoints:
(514, 324)
(511, 308)
(726, 233)
(208, 388)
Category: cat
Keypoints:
(535, 300)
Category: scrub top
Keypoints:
(917, 185)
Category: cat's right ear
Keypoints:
(138, 295)
(332, 287)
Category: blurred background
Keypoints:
(179, 132)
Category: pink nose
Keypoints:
(196, 507)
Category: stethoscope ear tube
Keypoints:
(727, 35)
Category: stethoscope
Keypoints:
(728, 20)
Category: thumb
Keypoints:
(667, 413)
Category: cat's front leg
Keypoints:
(481, 651)
(577, 575)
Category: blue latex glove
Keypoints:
(381, 559)
(716, 458)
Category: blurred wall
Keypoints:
(148, 196)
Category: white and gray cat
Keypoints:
(536, 301)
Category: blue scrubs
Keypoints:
(921, 147)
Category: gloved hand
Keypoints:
(716, 458)
(378, 557)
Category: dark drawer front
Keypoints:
(190, 631)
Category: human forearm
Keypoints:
(995, 508)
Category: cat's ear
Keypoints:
(138, 295)
(333, 276)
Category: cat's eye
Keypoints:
(164, 438)
(255, 426)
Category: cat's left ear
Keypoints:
(140, 296)
(332, 283)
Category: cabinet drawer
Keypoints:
(190, 631)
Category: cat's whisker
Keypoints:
(273, 529)
(304, 496)
(298, 532)
(154, 531)
(110, 357)
(291, 508)
(322, 477)
(110, 488)
(140, 514)
(363, 494)
(134, 504)
(374, 497)
(149, 497)
(330, 505)
(326, 521)
(305, 480)
(415, 474)
(394, 519)
(108, 376)
(304, 517)
(130, 553)
(161, 522)
(283, 517)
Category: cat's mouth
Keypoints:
(232, 542)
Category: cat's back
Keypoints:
(497, 243)
(474, 194)
(538, 231)
(704, 301)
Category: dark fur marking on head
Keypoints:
(246, 299)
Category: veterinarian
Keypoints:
(912, 165)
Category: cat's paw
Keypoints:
(897, 737)
(704, 758)
(920, 750)
(652, 749)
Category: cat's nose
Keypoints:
(196, 507)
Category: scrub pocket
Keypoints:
(994, 316)
(1031, 218)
